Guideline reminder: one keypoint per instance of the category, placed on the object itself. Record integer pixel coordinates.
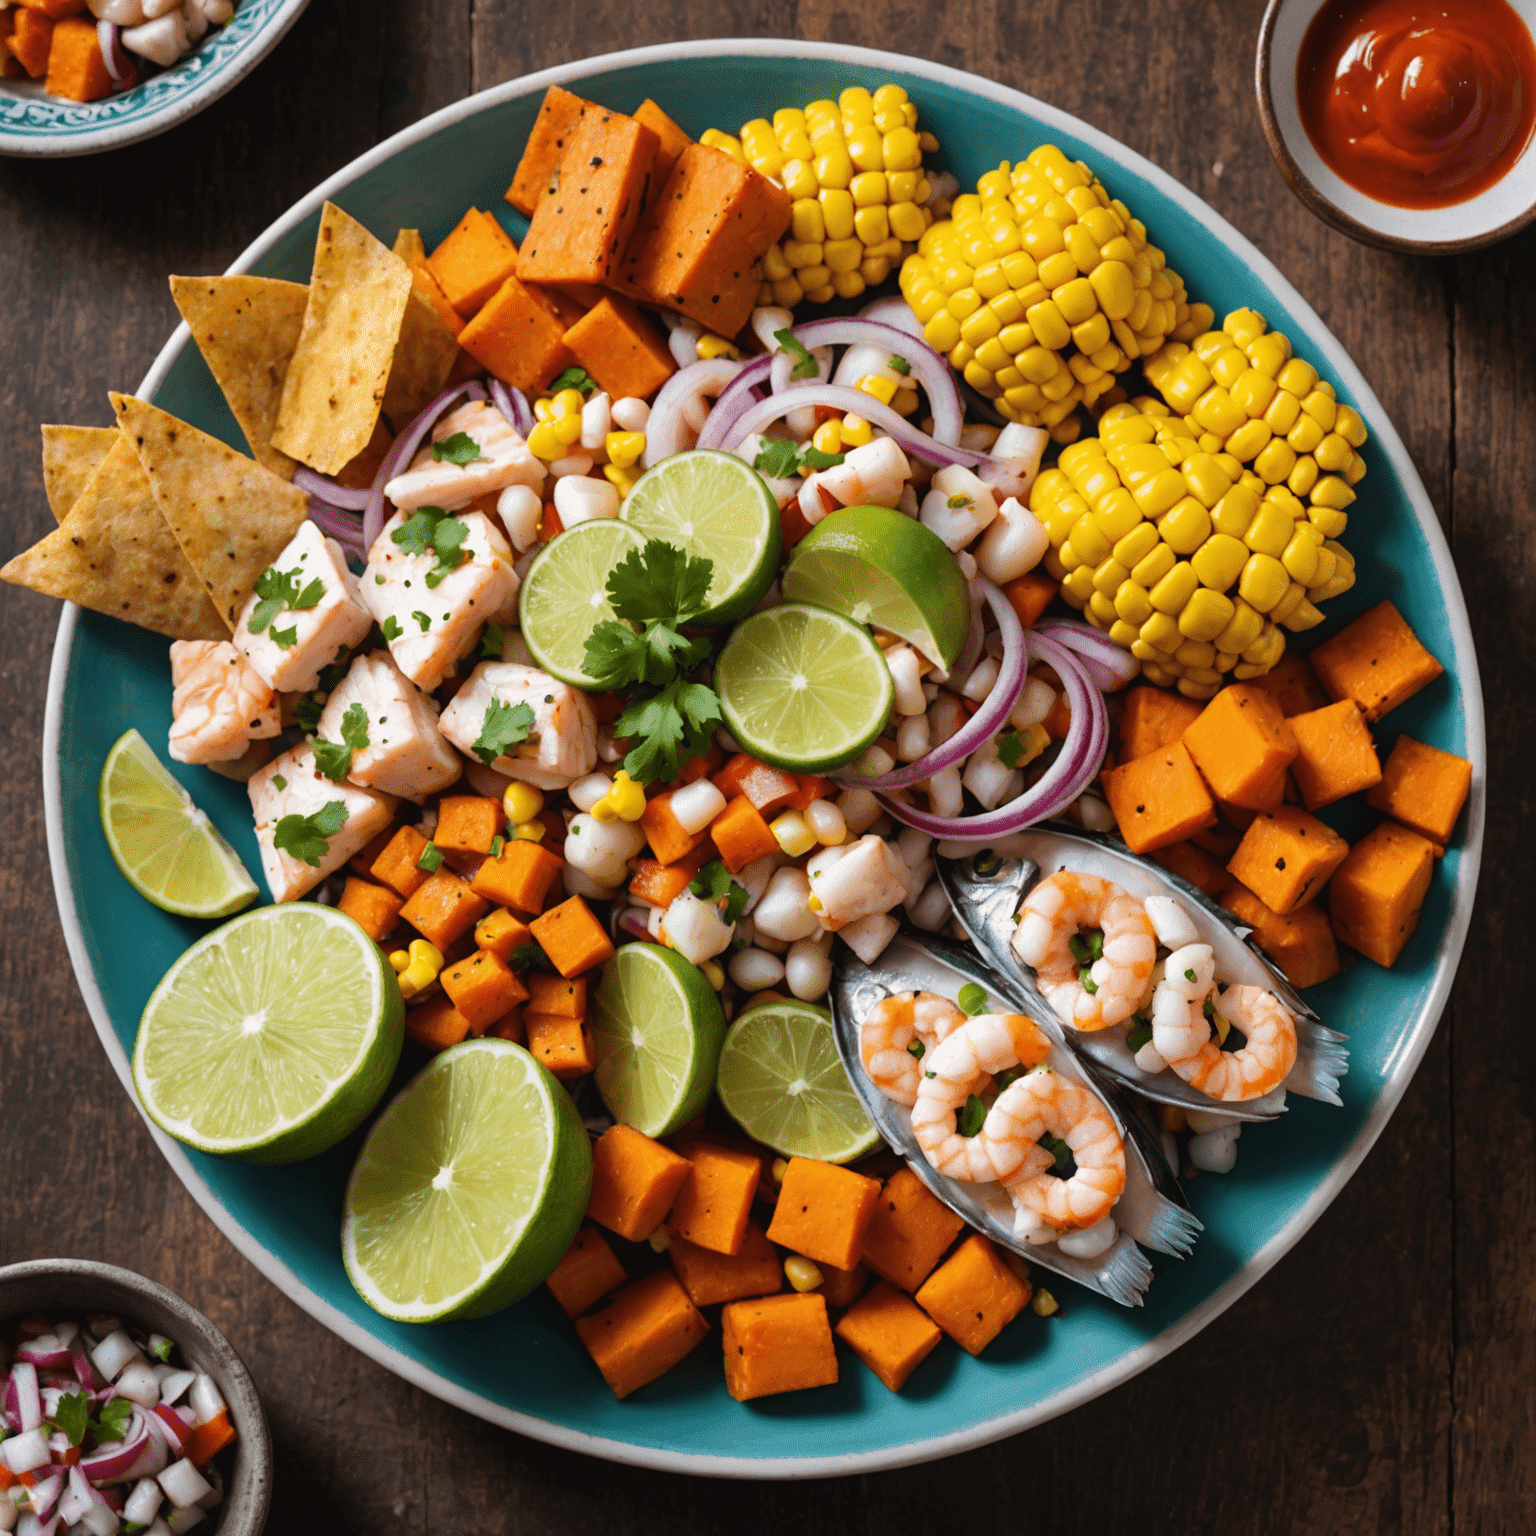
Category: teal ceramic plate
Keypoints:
(525, 1368)
(35, 124)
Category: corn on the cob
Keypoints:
(854, 168)
(1041, 289)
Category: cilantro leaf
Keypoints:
(899, 365)
(423, 619)
(1011, 747)
(390, 628)
(70, 1417)
(286, 639)
(310, 596)
(503, 727)
(778, 458)
(113, 1420)
(306, 712)
(491, 642)
(280, 781)
(459, 449)
(814, 458)
(414, 535)
(335, 760)
(527, 957)
(430, 528)
(682, 715)
(660, 583)
(805, 367)
(574, 378)
(309, 837)
(279, 590)
(714, 882)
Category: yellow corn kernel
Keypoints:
(880, 387)
(713, 975)
(855, 432)
(709, 346)
(1264, 582)
(801, 1273)
(724, 143)
(793, 833)
(521, 802)
(1175, 589)
(624, 448)
(625, 801)
(568, 403)
(1270, 531)
(1044, 1304)
(871, 225)
(1219, 562)
(1204, 617)
(623, 480)
(424, 961)
(544, 409)
(1332, 492)
(399, 960)
(1185, 527)
(842, 257)
(545, 442)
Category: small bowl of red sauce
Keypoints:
(1409, 124)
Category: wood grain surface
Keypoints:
(1380, 1379)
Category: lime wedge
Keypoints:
(802, 687)
(716, 507)
(782, 1081)
(167, 849)
(884, 568)
(469, 1189)
(656, 1028)
(273, 1037)
(564, 595)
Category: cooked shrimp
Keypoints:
(1053, 913)
(987, 1044)
(887, 1034)
(1179, 1024)
(220, 704)
(1045, 1103)
(1260, 1065)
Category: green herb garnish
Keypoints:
(334, 759)
(309, 837)
(280, 590)
(390, 629)
(431, 859)
(805, 365)
(899, 365)
(71, 1416)
(502, 727)
(778, 458)
(714, 883)
(972, 1117)
(491, 643)
(916, 1050)
(574, 378)
(460, 449)
(432, 529)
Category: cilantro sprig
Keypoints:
(805, 366)
(492, 643)
(72, 1415)
(390, 628)
(669, 727)
(432, 529)
(502, 727)
(779, 458)
(662, 589)
(334, 759)
(280, 591)
(574, 378)
(714, 883)
(460, 449)
(309, 837)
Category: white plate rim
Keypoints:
(1401, 1066)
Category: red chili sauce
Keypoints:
(1419, 103)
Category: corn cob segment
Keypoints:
(854, 168)
(1041, 288)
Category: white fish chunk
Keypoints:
(507, 461)
(561, 747)
(406, 754)
(220, 704)
(434, 625)
(335, 623)
(291, 785)
(869, 877)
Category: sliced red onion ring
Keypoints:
(345, 527)
(109, 39)
(90, 1378)
(513, 404)
(734, 399)
(975, 638)
(401, 452)
(167, 1423)
(1102, 655)
(54, 1358)
(665, 429)
(328, 491)
(894, 310)
(29, 1401)
(103, 1466)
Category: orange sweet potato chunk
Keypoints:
(9, 64)
(556, 995)
(30, 40)
(823, 1211)
(76, 69)
(1301, 943)
(501, 932)
(643, 1332)
(521, 877)
(974, 1295)
(552, 129)
(711, 1278)
(1242, 744)
(563, 1045)
(1293, 685)
(586, 1274)
(517, 337)
(373, 908)
(396, 866)
(1030, 595)
(1335, 755)
(1377, 893)
(1195, 865)
(1424, 788)
(741, 834)
(890, 1333)
(620, 348)
(712, 1206)
(909, 1232)
(668, 841)
(1377, 661)
(634, 1182)
(1153, 718)
(436, 1024)
(1286, 857)
(671, 141)
(842, 1287)
(777, 1344)
(55, 9)
(473, 262)
(444, 908)
(483, 987)
(1159, 799)
(468, 823)
(572, 937)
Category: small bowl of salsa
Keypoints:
(1409, 124)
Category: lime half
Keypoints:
(565, 595)
(469, 1189)
(716, 507)
(803, 688)
(884, 568)
(167, 849)
(273, 1037)
(783, 1083)
(656, 1027)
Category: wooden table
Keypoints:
(1379, 1380)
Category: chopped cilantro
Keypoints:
(899, 365)
(423, 619)
(527, 957)
(113, 1420)
(430, 528)
(972, 999)
(306, 711)
(778, 459)
(431, 859)
(1010, 748)
(574, 378)
(279, 590)
(805, 365)
(459, 449)
(309, 837)
(498, 843)
(286, 639)
(280, 781)
(916, 1049)
(71, 1415)
(1060, 1151)
(681, 717)
(334, 759)
(714, 882)
(491, 642)
(1139, 1033)
(390, 628)
(1189, 975)
(503, 726)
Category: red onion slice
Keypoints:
(1103, 655)
(345, 527)
(167, 1423)
(401, 452)
(665, 430)
(103, 1466)
(740, 393)
(894, 310)
(328, 491)
(90, 1378)
(52, 1359)
(513, 404)
(29, 1401)
(109, 38)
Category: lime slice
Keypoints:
(469, 1189)
(884, 568)
(656, 1027)
(167, 849)
(782, 1081)
(565, 595)
(716, 507)
(273, 1037)
(802, 687)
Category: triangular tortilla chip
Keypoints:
(335, 384)
(115, 554)
(424, 358)
(231, 517)
(71, 457)
(247, 329)
(410, 248)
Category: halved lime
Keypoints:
(167, 849)
(656, 1027)
(802, 687)
(469, 1189)
(565, 595)
(884, 568)
(716, 507)
(782, 1081)
(273, 1037)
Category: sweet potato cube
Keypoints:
(362, 862)
(443, 908)
(29, 42)
(373, 908)
(842, 1287)
(1334, 754)
(1301, 943)
(501, 932)
(9, 64)
(777, 1344)
(710, 1277)
(397, 866)
(974, 1295)
(1293, 685)
(552, 129)
(1195, 865)
(572, 937)
(909, 1232)
(741, 834)
(671, 141)
(1159, 799)
(1241, 743)
(769, 789)
(54, 10)
(890, 1333)
(620, 348)
(668, 841)
(634, 1182)
(1154, 718)
(483, 988)
(1424, 788)
(426, 288)
(520, 877)
(660, 884)
(1286, 857)
(518, 338)
(76, 69)
(694, 249)
(473, 262)
(823, 1211)
(643, 1332)
(563, 1045)
(468, 823)
(509, 1027)
(586, 1274)
(712, 1206)
(554, 994)
(1030, 595)
(1377, 661)
(1377, 893)
(436, 1024)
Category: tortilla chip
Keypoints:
(424, 358)
(71, 457)
(357, 474)
(411, 248)
(231, 517)
(114, 554)
(335, 384)
(247, 329)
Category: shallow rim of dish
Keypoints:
(152, 108)
(1320, 203)
(1410, 1049)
